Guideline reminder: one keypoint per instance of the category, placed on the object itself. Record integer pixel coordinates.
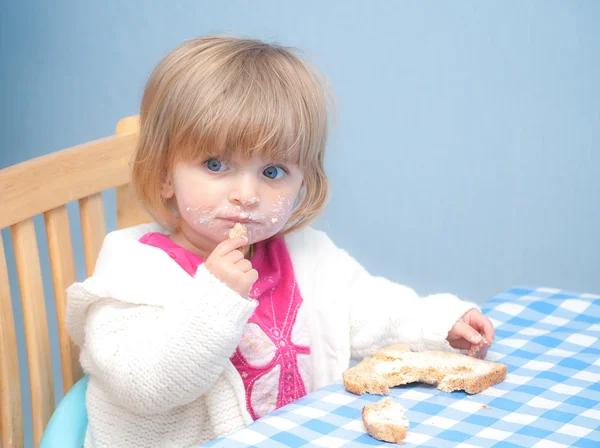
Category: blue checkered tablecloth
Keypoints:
(550, 398)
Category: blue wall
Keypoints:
(469, 128)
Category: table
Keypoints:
(550, 398)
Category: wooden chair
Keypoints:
(44, 186)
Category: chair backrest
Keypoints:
(44, 186)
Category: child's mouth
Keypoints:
(240, 219)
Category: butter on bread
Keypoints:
(396, 365)
(385, 421)
(238, 231)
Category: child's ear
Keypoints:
(166, 187)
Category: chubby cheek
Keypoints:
(197, 217)
(196, 209)
(276, 215)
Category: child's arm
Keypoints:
(153, 358)
(384, 313)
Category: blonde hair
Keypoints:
(223, 95)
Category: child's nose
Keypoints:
(245, 193)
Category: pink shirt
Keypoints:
(273, 355)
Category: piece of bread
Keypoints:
(397, 365)
(479, 350)
(238, 231)
(385, 420)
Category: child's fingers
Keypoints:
(488, 329)
(230, 245)
(484, 326)
(244, 265)
(467, 332)
(252, 275)
(461, 344)
(234, 257)
(479, 351)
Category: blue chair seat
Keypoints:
(68, 424)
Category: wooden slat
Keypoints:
(63, 275)
(129, 211)
(47, 182)
(93, 229)
(128, 125)
(36, 326)
(11, 418)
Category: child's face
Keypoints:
(214, 195)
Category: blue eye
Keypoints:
(274, 172)
(215, 165)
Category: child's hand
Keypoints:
(468, 333)
(228, 264)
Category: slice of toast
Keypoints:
(385, 420)
(397, 365)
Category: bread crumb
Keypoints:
(476, 351)
(385, 421)
(238, 231)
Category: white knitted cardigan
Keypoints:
(157, 342)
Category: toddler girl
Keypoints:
(187, 334)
